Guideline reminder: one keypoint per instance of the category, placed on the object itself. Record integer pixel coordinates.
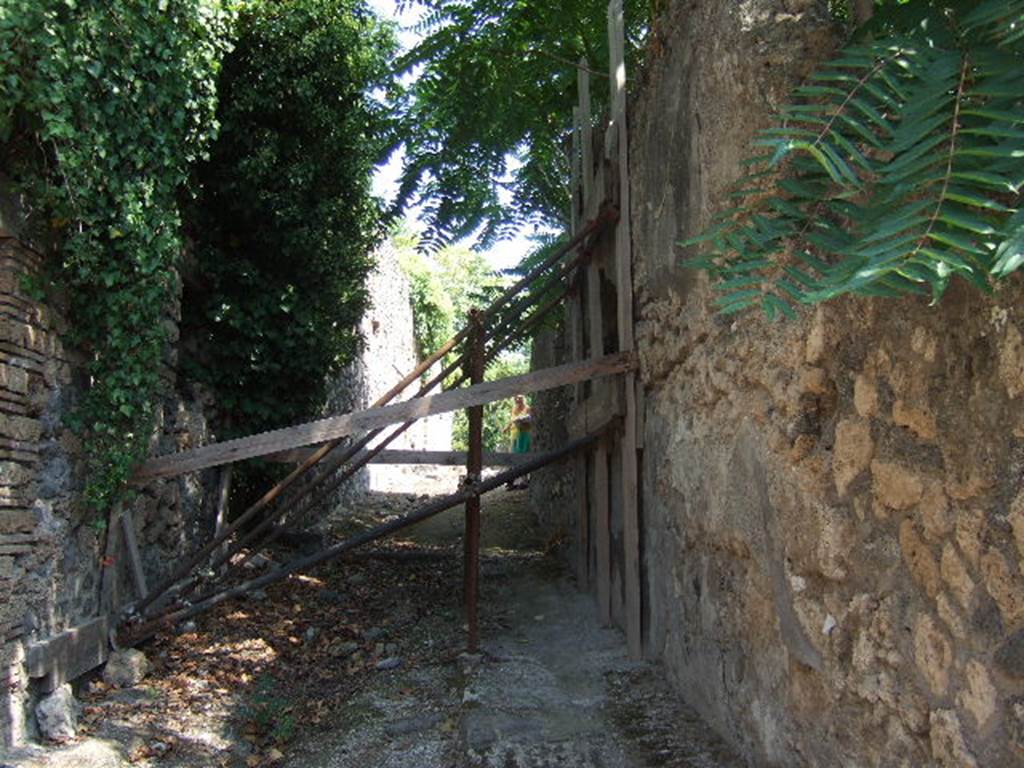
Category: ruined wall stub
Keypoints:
(834, 521)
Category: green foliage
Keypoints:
(496, 415)
(898, 167)
(444, 287)
(104, 105)
(285, 223)
(498, 79)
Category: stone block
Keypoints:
(17, 520)
(854, 448)
(949, 750)
(126, 668)
(21, 429)
(1003, 585)
(57, 715)
(956, 576)
(13, 379)
(919, 420)
(896, 486)
(978, 697)
(933, 653)
(919, 559)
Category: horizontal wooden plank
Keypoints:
(437, 458)
(70, 654)
(324, 430)
(605, 404)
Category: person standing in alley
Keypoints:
(520, 426)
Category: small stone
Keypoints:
(934, 510)
(1003, 585)
(920, 421)
(310, 634)
(865, 396)
(1009, 657)
(895, 486)
(919, 559)
(979, 697)
(970, 525)
(955, 574)
(933, 653)
(947, 741)
(829, 625)
(390, 663)
(125, 668)
(852, 453)
(372, 634)
(344, 649)
(391, 649)
(356, 579)
(57, 715)
(187, 628)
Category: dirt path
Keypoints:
(361, 666)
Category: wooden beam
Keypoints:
(624, 288)
(68, 655)
(605, 405)
(602, 533)
(134, 558)
(329, 429)
(435, 458)
(109, 598)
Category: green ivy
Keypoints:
(104, 107)
(284, 221)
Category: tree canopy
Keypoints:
(496, 80)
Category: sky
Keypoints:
(503, 255)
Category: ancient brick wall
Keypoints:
(50, 544)
(832, 507)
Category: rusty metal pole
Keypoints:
(474, 466)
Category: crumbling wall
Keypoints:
(387, 353)
(833, 513)
(51, 544)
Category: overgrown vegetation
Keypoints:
(284, 221)
(104, 107)
(898, 167)
(444, 286)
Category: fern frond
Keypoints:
(899, 166)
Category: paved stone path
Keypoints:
(550, 689)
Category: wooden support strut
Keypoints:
(474, 467)
(607, 214)
(624, 286)
(134, 635)
(366, 456)
(333, 428)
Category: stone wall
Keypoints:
(832, 508)
(388, 352)
(50, 544)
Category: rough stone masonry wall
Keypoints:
(388, 352)
(833, 513)
(50, 544)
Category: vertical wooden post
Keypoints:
(586, 123)
(624, 284)
(132, 550)
(474, 466)
(221, 520)
(109, 600)
(575, 168)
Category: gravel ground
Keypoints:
(361, 665)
